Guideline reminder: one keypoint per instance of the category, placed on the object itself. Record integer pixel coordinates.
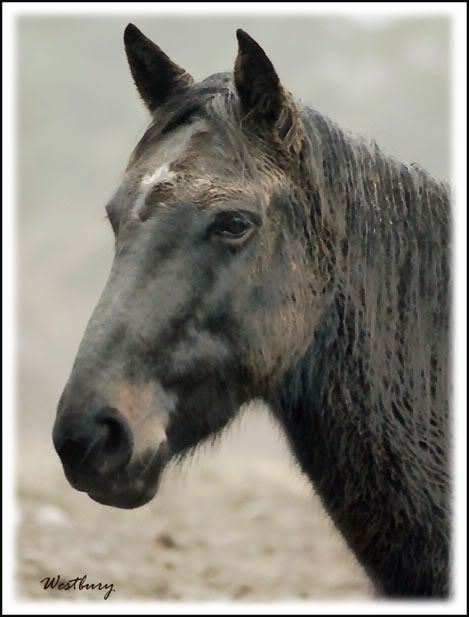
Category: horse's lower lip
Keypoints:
(124, 500)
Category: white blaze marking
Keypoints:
(162, 174)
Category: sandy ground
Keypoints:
(231, 524)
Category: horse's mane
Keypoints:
(392, 264)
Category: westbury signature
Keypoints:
(79, 583)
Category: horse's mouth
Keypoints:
(126, 500)
(133, 487)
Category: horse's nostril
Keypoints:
(115, 437)
(116, 443)
(100, 442)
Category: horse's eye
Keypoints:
(233, 226)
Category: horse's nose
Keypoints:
(93, 443)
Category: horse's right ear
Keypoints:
(156, 76)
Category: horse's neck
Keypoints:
(365, 409)
(365, 464)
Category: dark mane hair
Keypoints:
(392, 224)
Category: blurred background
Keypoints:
(237, 521)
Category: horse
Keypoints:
(264, 253)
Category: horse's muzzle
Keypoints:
(98, 457)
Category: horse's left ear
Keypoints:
(260, 92)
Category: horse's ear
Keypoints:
(260, 92)
(156, 76)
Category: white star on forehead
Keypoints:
(161, 174)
